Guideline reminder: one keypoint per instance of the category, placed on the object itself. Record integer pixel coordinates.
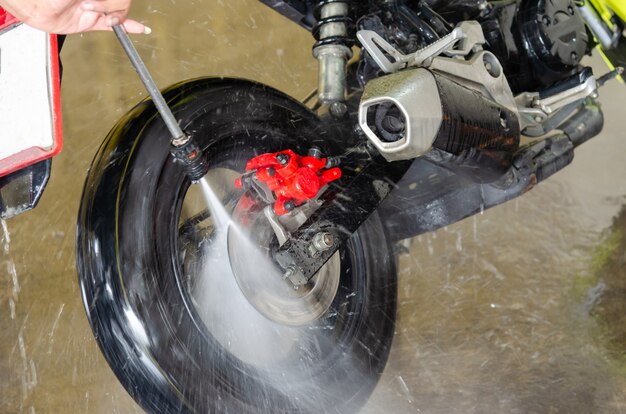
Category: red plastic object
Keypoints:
(6, 19)
(33, 155)
(292, 178)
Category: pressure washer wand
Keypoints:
(183, 147)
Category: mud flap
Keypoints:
(20, 191)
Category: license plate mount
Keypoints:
(30, 110)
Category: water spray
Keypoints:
(183, 147)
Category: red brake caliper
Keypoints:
(292, 178)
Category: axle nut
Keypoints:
(321, 242)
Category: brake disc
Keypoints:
(251, 240)
(248, 243)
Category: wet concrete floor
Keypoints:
(520, 309)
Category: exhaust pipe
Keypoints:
(431, 196)
(408, 113)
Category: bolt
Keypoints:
(271, 171)
(289, 205)
(358, 130)
(338, 109)
(246, 182)
(574, 56)
(315, 152)
(320, 243)
(570, 9)
(323, 241)
(546, 20)
(332, 162)
(282, 159)
(538, 118)
(289, 272)
(295, 277)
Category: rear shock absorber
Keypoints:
(333, 50)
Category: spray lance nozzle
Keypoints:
(186, 151)
(183, 147)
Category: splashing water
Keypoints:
(221, 218)
(10, 267)
(6, 237)
(287, 355)
(224, 308)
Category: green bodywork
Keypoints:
(610, 11)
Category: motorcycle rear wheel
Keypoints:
(134, 277)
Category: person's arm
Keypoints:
(73, 16)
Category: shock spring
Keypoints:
(324, 16)
(335, 38)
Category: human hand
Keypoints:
(74, 16)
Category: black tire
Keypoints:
(133, 285)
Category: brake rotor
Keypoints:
(251, 240)
(238, 222)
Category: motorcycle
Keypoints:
(270, 284)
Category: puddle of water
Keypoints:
(500, 326)
(605, 300)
